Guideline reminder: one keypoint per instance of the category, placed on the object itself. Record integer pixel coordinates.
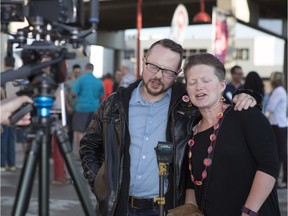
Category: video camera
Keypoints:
(54, 26)
(64, 11)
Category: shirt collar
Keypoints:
(136, 96)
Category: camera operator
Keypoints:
(9, 105)
(44, 67)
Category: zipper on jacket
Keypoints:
(122, 159)
(170, 113)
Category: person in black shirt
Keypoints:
(235, 84)
(232, 156)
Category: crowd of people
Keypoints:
(220, 132)
(117, 149)
(85, 92)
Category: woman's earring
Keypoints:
(223, 99)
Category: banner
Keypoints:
(223, 39)
(179, 23)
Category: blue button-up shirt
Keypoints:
(147, 126)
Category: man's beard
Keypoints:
(152, 91)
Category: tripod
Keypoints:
(164, 152)
(41, 130)
(161, 199)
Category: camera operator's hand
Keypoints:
(9, 105)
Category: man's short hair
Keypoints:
(89, 67)
(232, 70)
(76, 66)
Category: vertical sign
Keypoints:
(223, 39)
(179, 23)
(220, 34)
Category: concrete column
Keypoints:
(254, 12)
(113, 40)
(284, 27)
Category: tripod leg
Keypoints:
(26, 179)
(44, 173)
(161, 195)
(80, 186)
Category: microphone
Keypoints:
(164, 152)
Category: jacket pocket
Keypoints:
(100, 184)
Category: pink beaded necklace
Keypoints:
(208, 160)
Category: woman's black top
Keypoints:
(245, 144)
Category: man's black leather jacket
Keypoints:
(105, 155)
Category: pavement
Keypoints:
(63, 198)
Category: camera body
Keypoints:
(53, 24)
(64, 11)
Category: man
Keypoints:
(70, 101)
(8, 134)
(235, 84)
(117, 150)
(89, 92)
(117, 79)
(107, 82)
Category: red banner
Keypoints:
(221, 34)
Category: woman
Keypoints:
(232, 155)
(254, 82)
(276, 113)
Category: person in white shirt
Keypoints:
(128, 75)
(275, 111)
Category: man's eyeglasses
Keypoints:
(155, 69)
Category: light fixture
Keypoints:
(202, 16)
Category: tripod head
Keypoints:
(42, 77)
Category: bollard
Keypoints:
(58, 165)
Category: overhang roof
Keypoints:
(121, 14)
